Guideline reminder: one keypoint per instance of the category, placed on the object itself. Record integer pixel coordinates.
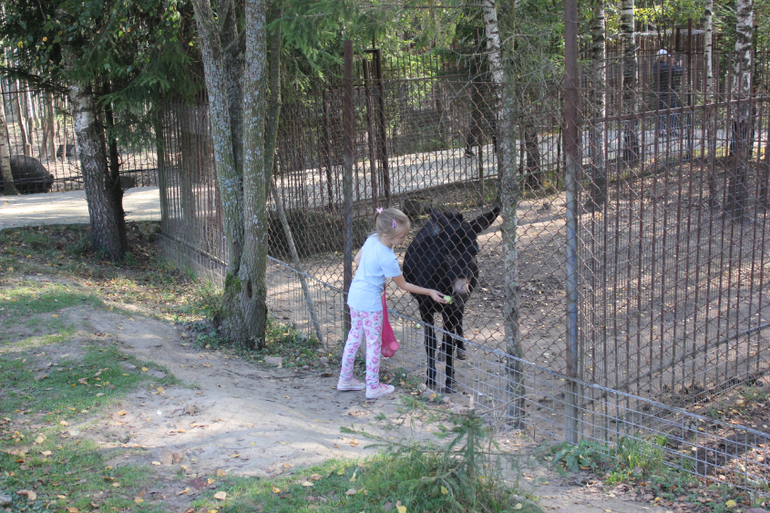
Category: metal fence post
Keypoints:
(572, 167)
(347, 180)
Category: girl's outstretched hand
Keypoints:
(437, 296)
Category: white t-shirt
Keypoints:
(377, 263)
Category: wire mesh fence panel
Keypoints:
(43, 142)
(671, 237)
(675, 292)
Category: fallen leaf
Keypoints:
(730, 504)
(352, 491)
(138, 500)
(29, 493)
(315, 477)
(46, 453)
(444, 491)
(221, 473)
(276, 490)
(122, 412)
(72, 510)
(220, 496)
(401, 509)
(307, 484)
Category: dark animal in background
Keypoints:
(442, 256)
(71, 151)
(29, 175)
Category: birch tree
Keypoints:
(510, 195)
(598, 192)
(627, 38)
(742, 125)
(492, 29)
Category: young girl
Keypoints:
(376, 262)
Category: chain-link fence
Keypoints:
(672, 288)
(42, 141)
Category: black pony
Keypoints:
(442, 256)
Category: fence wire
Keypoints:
(672, 244)
(42, 140)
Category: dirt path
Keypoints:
(231, 416)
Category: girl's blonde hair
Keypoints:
(390, 222)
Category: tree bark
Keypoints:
(5, 155)
(742, 129)
(256, 177)
(229, 176)
(105, 209)
(627, 37)
(598, 189)
(510, 194)
(235, 70)
(492, 31)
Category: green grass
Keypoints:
(67, 473)
(39, 401)
(31, 297)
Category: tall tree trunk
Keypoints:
(105, 209)
(5, 155)
(708, 47)
(598, 190)
(256, 176)
(531, 144)
(22, 121)
(710, 98)
(492, 31)
(743, 124)
(229, 176)
(237, 93)
(510, 194)
(627, 37)
(51, 127)
(30, 109)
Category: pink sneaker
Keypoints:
(380, 390)
(350, 385)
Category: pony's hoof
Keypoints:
(449, 389)
(462, 354)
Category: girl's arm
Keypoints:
(357, 258)
(414, 289)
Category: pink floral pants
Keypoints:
(368, 324)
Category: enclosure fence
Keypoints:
(41, 136)
(672, 241)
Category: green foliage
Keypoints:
(587, 455)
(669, 14)
(127, 53)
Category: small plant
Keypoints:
(753, 395)
(587, 455)
(641, 456)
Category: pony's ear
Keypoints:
(439, 217)
(483, 221)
